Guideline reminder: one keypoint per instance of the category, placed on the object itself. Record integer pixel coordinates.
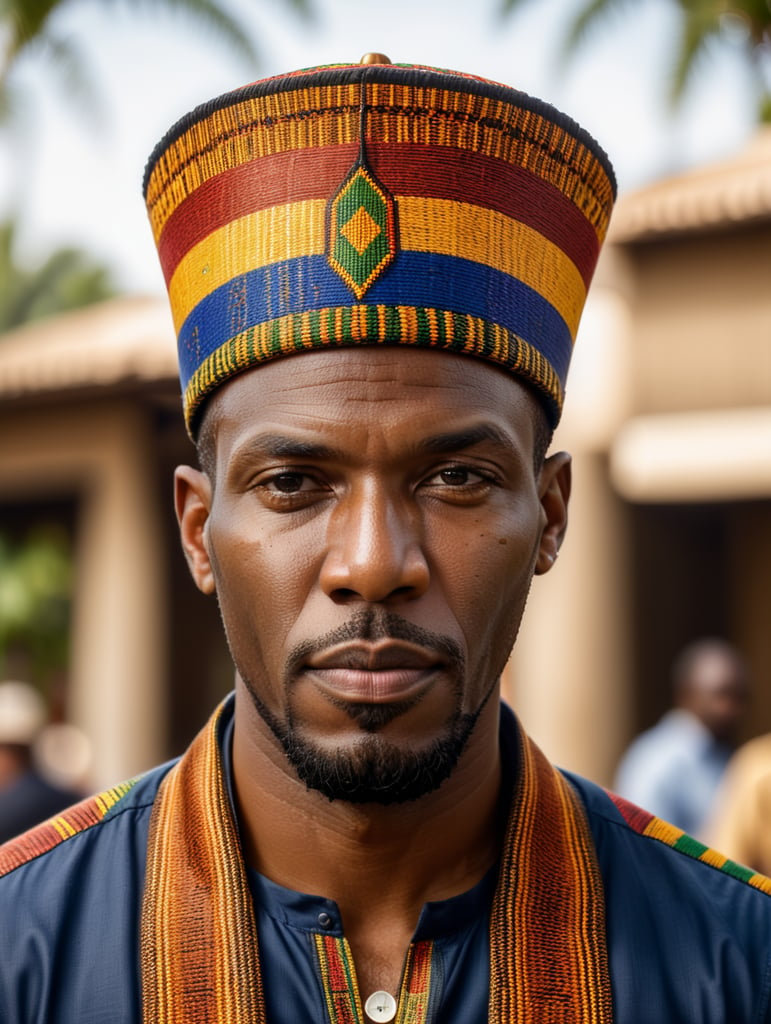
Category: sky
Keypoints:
(75, 178)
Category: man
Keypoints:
(376, 273)
(674, 769)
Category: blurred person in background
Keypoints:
(675, 768)
(27, 796)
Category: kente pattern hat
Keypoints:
(377, 204)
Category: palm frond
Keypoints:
(27, 25)
(8, 98)
(9, 276)
(755, 15)
(507, 6)
(71, 65)
(68, 279)
(587, 20)
(764, 108)
(700, 25)
(210, 17)
(304, 8)
(24, 21)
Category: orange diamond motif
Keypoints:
(361, 230)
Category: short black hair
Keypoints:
(542, 436)
(205, 443)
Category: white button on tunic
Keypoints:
(381, 1006)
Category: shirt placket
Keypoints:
(341, 991)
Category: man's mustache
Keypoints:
(370, 625)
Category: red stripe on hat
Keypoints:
(444, 173)
(268, 181)
(404, 169)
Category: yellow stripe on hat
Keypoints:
(485, 236)
(437, 226)
(257, 240)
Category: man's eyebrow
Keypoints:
(281, 446)
(457, 440)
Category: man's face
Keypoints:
(371, 535)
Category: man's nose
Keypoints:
(374, 549)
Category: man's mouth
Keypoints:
(380, 672)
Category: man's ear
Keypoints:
(554, 491)
(192, 501)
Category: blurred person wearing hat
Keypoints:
(27, 797)
(376, 273)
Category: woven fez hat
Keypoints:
(377, 204)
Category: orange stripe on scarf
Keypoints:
(548, 957)
(199, 955)
(200, 962)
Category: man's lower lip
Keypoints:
(372, 687)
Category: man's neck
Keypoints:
(380, 864)
(394, 857)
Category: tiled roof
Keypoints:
(125, 339)
(732, 191)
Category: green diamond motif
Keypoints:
(362, 235)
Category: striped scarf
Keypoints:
(199, 945)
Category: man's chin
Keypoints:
(375, 771)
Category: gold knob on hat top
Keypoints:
(374, 58)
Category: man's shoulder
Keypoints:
(639, 839)
(70, 899)
(93, 821)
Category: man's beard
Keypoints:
(374, 770)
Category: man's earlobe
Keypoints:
(554, 491)
(192, 501)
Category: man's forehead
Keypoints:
(348, 378)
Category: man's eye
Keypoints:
(458, 482)
(291, 489)
(288, 483)
(456, 476)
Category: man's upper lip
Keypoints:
(375, 657)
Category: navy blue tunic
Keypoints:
(686, 942)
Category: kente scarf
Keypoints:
(199, 948)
